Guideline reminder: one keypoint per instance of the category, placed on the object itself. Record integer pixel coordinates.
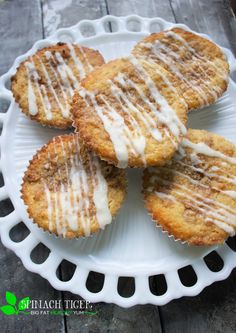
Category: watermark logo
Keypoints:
(54, 307)
(13, 306)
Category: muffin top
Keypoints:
(45, 82)
(129, 114)
(69, 191)
(193, 197)
(199, 67)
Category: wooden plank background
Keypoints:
(21, 24)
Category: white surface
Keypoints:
(131, 245)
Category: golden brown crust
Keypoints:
(49, 169)
(201, 84)
(61, 80)
(186, 208)
(100, 84)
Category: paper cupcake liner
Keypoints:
(178, 240)
(46, 231)
(161, 228)
(171, 236)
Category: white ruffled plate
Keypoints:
(132, 245)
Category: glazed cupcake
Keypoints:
(129, 114)
(193, 197)
(199, 67)
(44, 83)
(69, 192)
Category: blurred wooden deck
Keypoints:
(214, 310)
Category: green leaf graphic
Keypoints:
(7, 309)
(23, 304)
(10, 298)
(91, 313)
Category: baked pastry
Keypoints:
(199, 66)
(129, 114)
(193, 197)
(45, 82)
(69, 191)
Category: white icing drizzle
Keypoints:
(202, 148)
(64, 111)
(129, 137)
(164, 78)
(166, 115)
(33, 77)
(144, 117)
(230, 193)
(217, 67)
(115, 126)
(216, 212)
(174, 62)
(149, 120)
(206, 200)
(212, 90)
(164, 196)
(45, 101)
(61, 72)
(77, 61)
(86, 59)
(65, 71)
(65, 88)
(229, 179)
(100, 197)
(31, 96)
(70, 201)
(221, 217)
(137, 141)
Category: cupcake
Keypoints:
(193, 197)
(129, 114)
(199, 67)
(68, 191)
(44, 83)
